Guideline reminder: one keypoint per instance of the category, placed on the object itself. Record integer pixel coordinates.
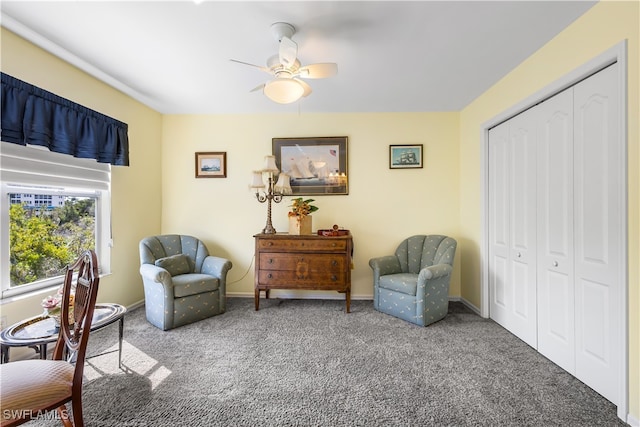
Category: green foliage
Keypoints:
(42, 242)
(301, 207)
(73, 210)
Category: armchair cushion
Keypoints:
(405, 283)
(175, 264)
(192, 284)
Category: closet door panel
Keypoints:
(598, 198)
(522, 230)
(500, 292)
(556, 337)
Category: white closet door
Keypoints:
(512, 230)
(556, 326)
(599, 190)
(522, 229)
(500, 291)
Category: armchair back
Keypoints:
(158, 247)
(418, 252)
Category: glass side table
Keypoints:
(36, 332)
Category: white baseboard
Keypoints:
(633, 421)
(135, 305)
(470, 306)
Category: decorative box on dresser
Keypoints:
(309, 262)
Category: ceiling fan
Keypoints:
(287, 71)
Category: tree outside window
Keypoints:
(45, 237)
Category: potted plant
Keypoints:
(53, 307)
(300, 216)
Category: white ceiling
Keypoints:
(392, 56)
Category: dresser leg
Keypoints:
(348, 295)
(257, 299)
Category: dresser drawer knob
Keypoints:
(269, 243)
(334, 278)
(334, 262)
(270, 261)
(269, 276)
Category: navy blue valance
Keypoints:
(31, 115)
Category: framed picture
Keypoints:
(316, 165)
(211, 164)
(405, 156)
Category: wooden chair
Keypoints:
(30, 388)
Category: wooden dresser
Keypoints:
(309, 261)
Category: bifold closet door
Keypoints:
(512, 206)
(556, 221)
(598, 191)
(555, 265)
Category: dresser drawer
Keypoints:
(285, 261)
(302, 279)
(301, 244)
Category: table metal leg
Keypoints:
(43, 351)
(4, 356)
(120, 334)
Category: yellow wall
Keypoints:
(136, 190)
(383, 205)
(602, 27)
(159, 193)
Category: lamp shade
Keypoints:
(283, 186)
(257, 181)
(270, 164)
(283, 90)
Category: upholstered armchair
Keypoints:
(413, 284)
(182, 282)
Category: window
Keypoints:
(52, 207)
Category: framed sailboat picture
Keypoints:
(405, 156)
(315, 165)
(211, 164)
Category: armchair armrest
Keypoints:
(154, 274)
(434, 272)
(385, 265)
(216, 266)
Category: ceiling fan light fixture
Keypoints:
(288, 85)
(283, 90)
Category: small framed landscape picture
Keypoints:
(211, 164)
(405, 156)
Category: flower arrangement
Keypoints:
(300, 208)
(53, 306)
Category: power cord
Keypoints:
(246, 272)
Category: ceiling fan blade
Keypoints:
(288, 52)
(265, 69)
(305, 86)
(257, 88)
(318, 71)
